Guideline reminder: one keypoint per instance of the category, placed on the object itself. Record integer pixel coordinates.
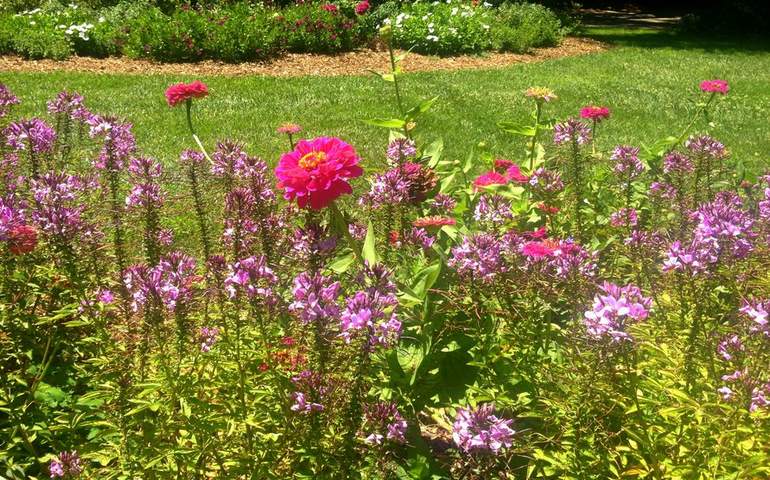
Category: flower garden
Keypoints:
(579, 309)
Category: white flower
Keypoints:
(487, 4)
(432, 38)
(32, 22)
(486, 27)
(454, 11)
(102, 19)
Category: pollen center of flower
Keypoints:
(311, 160)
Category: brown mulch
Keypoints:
(296, 64)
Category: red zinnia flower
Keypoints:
(536, 234)
(182, 92)
(489, 178)
(329, 7)
(22, 239)
(597, 114)
(317, 171)
(362, 7)
(433, 221)
(393, 237)
(715, 86)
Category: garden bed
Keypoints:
(298, 64)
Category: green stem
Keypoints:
(538, 113)
(188, 108)
(692, 121)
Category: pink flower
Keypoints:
(489, 178)
(537, 250)
(433, 221)
(514, 174)
(597, 114)
(715, 86)
(289, 129)
(182, 92)
(362, 7)
(317, 171)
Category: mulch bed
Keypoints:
(295, 64)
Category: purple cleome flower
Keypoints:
(627, 163)
(315, 297)
(480, 431)
(30, 135)
(613, 311)
(385, 423)
(571, 130)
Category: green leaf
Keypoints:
(524, 130)
(425, 279)
(343, 263)
(420, 108)
(369, 253)
(386, 122)
(434, 151)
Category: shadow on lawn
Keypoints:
(665, 38)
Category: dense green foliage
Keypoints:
(242, 31)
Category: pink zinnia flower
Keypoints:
(329, 7)
(182, 92)
(317, 171)
(489, 178)
(433, 221)
(537, 250)
(502, 164)
(289, 129)
(362, 7)
(597, 114)
(715, 86)
(514, 174)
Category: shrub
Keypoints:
(316, 27)
(521, 26)
(242, 33)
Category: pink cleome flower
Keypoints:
(317, 171)
(597, 114)
(715, 86)
(182, 92)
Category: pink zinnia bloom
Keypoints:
(489, 178)
(317, 171)
(537, 250)
(289, 129)
(362, 7)
(329, 7)
(514, 174)
(541, 232)
(597, 114)
(434, 221)
(715, 86)
(182, 92)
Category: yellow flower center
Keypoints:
(311, 160)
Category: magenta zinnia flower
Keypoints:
(715, 86)
(592, 112)
(489, 178)
(317, 171)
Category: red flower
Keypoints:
(489, 178)
(393, 237)
(317, 171)
(547, 208)
(263, 367)
(514, 174)
(597, 114)
(362, 7)
(182, 92)
(715, 86)
(536, 234)
(434, 221)
(289, 129)
(22, 239)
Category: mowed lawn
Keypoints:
(649, 79)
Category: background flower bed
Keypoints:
(242, 31)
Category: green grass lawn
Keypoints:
(649, 80)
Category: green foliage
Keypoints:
(522, 26)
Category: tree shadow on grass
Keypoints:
(669, 38)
